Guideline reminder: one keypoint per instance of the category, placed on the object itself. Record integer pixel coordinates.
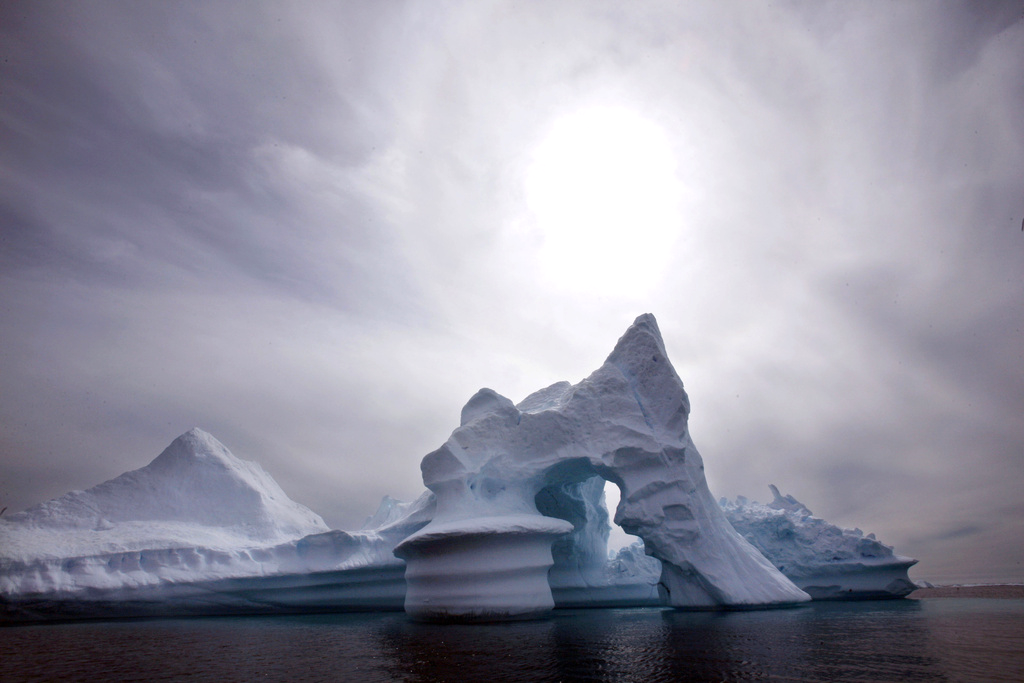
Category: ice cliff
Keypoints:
(824, 560)
(487, 551)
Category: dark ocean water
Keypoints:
(900, 640)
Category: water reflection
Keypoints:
(977, 639)
(820, 642)
(823, 642)
(464, 652)
(904, 640)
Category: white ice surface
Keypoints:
(516, 514)
(199, 526)
(196, 492)
(626, 422)
(824, 560)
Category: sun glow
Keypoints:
(603, 190)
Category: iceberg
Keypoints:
(513, 523)
(487, 551)
(825, 561)
(197, 531)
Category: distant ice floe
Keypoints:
(827, 562)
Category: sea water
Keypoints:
(898, 640)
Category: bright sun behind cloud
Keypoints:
(603, 190)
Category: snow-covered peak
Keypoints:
(192, 448)
(641, 358)
(196, 480)
(787, 502)
(642, 337)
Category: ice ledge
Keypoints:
(484, 526)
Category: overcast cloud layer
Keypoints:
(305, 229)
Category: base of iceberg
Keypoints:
(629, 579)
(350, 590)
(485, 569)
(864, 582)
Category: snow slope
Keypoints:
(196, 492)
(195, 531)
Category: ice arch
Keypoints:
(487, 551)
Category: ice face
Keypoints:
(627, 423)
(824, 560)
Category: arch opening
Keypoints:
(618, 538)
(584, 573)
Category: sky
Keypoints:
(316, 229)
